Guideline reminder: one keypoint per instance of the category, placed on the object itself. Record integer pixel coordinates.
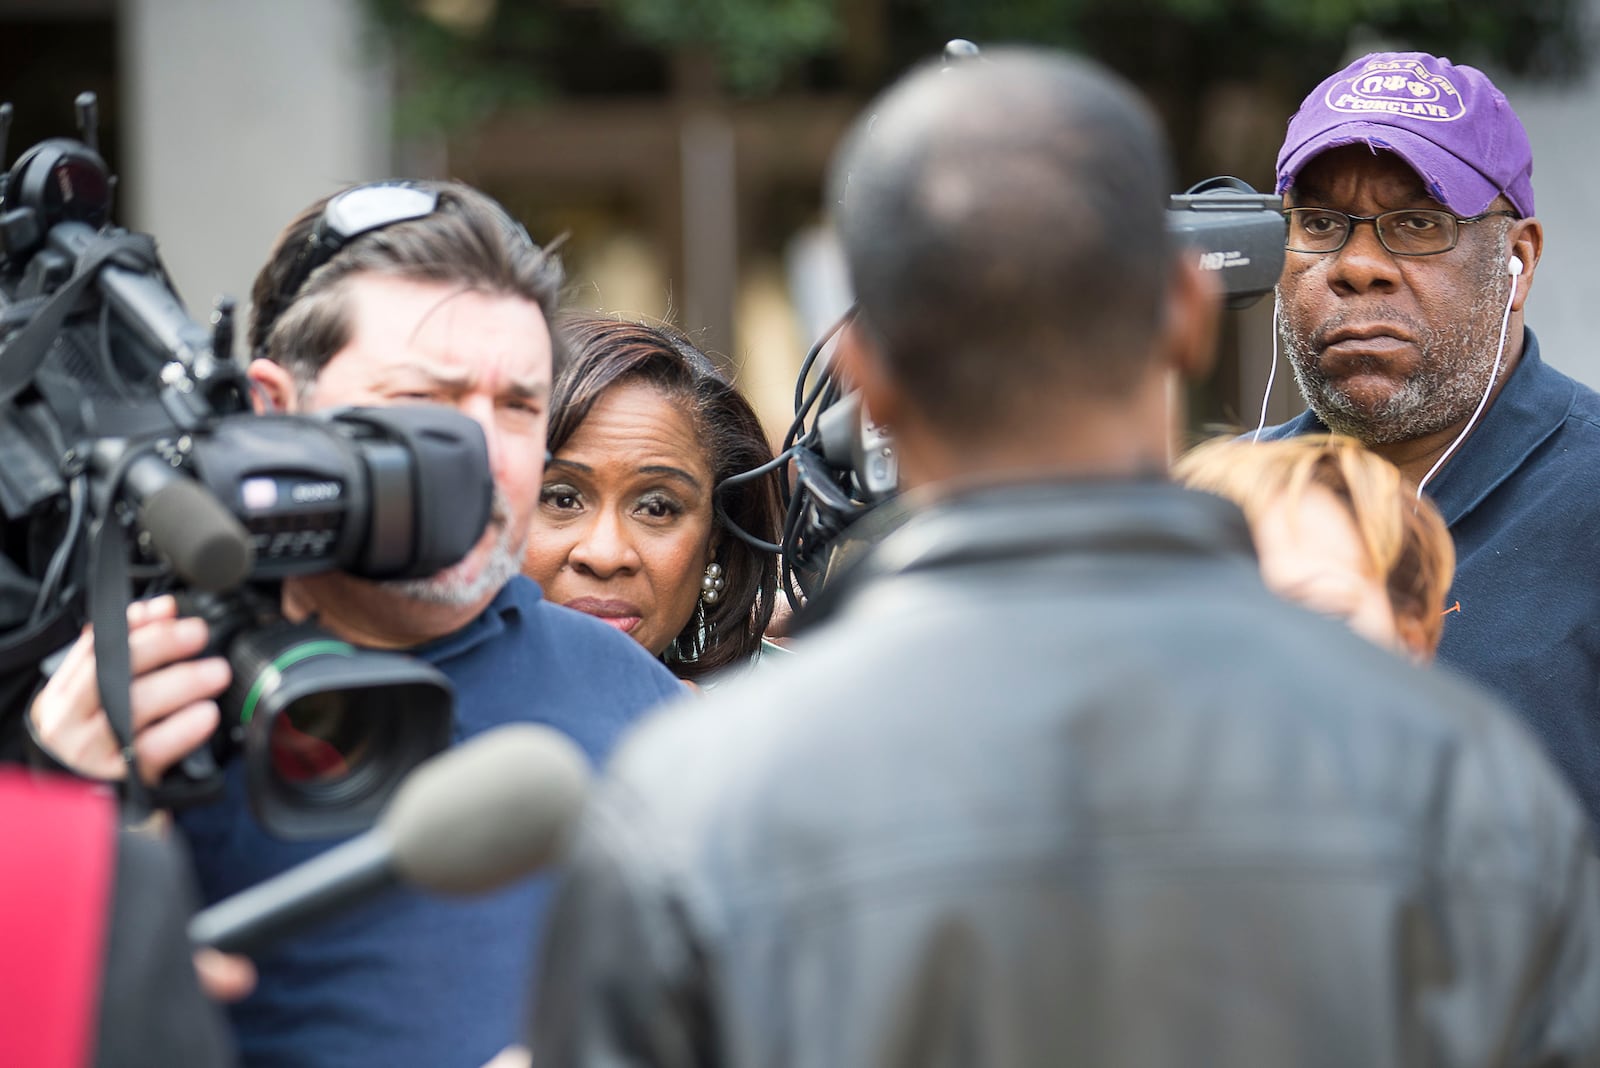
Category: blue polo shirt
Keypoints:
(409, 980)
(1522, 498)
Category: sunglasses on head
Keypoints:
(349, 215)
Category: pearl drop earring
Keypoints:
(712, 584)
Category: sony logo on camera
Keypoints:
(261, 494)
(315, 492)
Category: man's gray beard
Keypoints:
(450, 587)
(1457, 362)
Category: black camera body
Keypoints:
(1237, 233)
(132, 463)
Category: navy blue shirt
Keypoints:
(1522, 498)
(408, 979)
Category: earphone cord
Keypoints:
(1494, 376)
(1272, 371)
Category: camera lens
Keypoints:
(321, 739)
(328, 730)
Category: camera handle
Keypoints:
(27, 348)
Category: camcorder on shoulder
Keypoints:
(131, 464)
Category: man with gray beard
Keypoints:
(390, 293)
(1412, 247)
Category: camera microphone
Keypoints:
(473, 819)
(206, 546)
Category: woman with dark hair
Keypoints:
(637, 520)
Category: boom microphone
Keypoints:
(466, 822)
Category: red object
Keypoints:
(300, 757)
(57, 864)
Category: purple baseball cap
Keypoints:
(1448, 122)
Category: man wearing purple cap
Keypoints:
(1412, 249)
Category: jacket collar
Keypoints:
(1044, 519)
(1532, 405)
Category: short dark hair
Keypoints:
(1004, 226)
(467, 240)
(606, 352)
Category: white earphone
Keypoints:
(1514, 269)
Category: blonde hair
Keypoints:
(1405, 538)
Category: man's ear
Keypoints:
(1527, 244)
(1194, 309)
(274, 387)
(858, 360)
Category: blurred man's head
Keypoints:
(1004, 226)
(401, 293)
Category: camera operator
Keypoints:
(1057, 780)
(390, 293)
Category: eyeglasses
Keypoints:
(349, 215)
(1407, 232)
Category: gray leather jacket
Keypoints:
(1059, 783)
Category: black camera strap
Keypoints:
(28, 347)
(110, 592)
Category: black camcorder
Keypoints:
(131, 463)
(1237, 233)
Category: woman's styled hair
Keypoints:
(605, 352)
(1405, 537)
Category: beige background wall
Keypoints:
(240, 113)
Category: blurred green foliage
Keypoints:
(1529, 37)
(465, 59)
(459, 74)
(752, 42)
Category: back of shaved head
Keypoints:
(1004, 225)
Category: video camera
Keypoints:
(1237, 233)
(131, 462)
(845, 477)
